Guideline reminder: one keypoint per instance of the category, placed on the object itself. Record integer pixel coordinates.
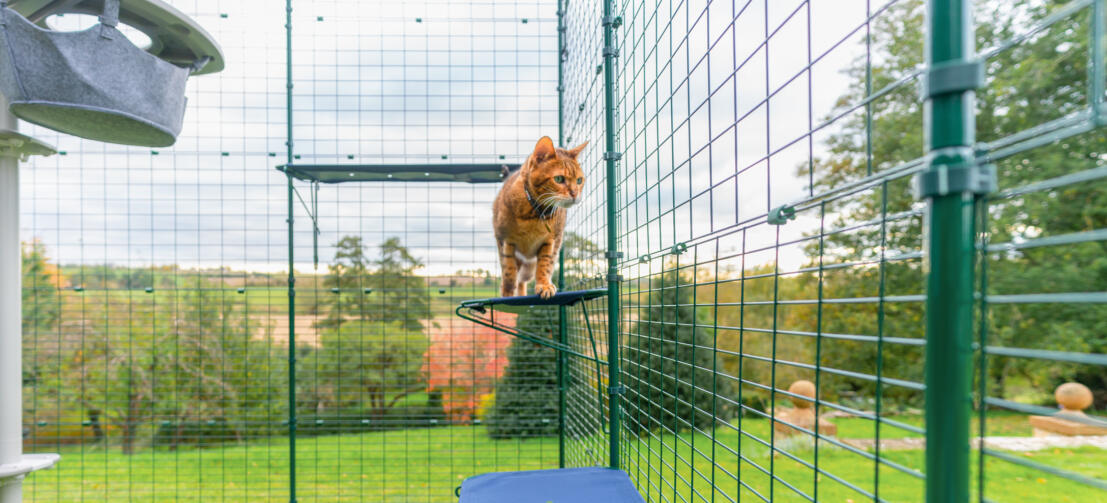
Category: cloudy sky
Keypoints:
(411, 82)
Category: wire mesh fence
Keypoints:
(157, 307)
(751, 203)
(771, 234)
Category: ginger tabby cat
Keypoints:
(529, 216)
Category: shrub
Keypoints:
(526, 402)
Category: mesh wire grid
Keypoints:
(728, 113)
(165, 374)
(158, 323)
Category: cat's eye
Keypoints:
(559, 179)
(580, 181)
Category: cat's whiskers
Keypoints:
(548, 201)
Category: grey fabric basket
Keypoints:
(92, 83)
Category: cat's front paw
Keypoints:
(545, 290)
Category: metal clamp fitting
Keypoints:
(613, 21)
(951, 77)
(610, 51)
(615, 277)
(616, 390)
(953, 172)
(781, 215)
(612, 156)
(614, 254)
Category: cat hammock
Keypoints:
(95, 83)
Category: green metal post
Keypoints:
(562, 362)
(562, 330)
(611, 155)
(949, 250)
(291, 263)
(291, 354)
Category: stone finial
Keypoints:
(803, 415)
(1073, 398)
(802, 388)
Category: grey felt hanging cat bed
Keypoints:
(92, 83)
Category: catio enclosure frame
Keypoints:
(741, 231)
(955, 178)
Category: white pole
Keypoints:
(11, 316)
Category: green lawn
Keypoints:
(421, 465)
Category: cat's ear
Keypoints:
(575, 151)
(544, 150)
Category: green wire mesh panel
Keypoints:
(770, 234)
(1041, 254)
(763, 206)
(398, 399)
(156, 321)
(153, 292)
(586, 396)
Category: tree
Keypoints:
(194, 360)
(370, 365)
(1037, 80)
(390, 291)
(348, 274)
(669, 359)
(403, 295)
(527, 396)
(216, 364)
(463, 363)
(41, 283)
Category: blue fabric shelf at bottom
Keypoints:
(565, 485)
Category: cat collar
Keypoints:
(542, 213)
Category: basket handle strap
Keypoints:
(109, 18)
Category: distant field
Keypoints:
(426, 464)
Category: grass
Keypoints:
(425, 465)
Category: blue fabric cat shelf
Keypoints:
(95, 83)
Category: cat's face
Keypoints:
(556, 178)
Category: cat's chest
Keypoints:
(529, 236)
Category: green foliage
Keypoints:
(193, 360)
(670, 362)
(362, 365)
(1037, 80)
(526, 403)
(348, 273)
(208, 433)
(397, 293)
(41, 281)
(750, 325)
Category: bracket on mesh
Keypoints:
(482, 312)
(475, 311)
(955, 170)
(951, 77)
(781, 215)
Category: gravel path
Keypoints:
(1019, 444)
